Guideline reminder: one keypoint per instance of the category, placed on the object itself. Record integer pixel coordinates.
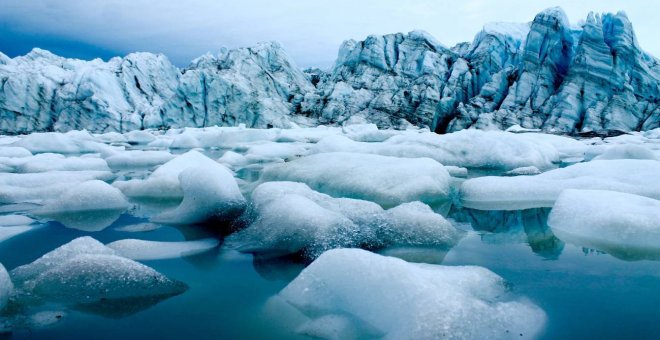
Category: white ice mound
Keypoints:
(209, 193)
(6, 287)
(621, 224)
(388, 181)
(292, 218)
(372, 295)
(155, 250)
(627, 151)
(164, 181)
(38, 187)
(14, 152)
(84, 270)
(467, 148)
(87, 196)
(639, 177)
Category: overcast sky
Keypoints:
(310, 30)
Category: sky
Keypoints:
(311, 31)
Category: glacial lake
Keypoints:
(585, 293)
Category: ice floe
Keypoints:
(355, 293)
(156, 250)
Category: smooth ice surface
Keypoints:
(6, 287)
(84, 270)
(388, 181)
(38, 187)
(640, 177)
(155, 250)
(164, 181)
(621, 224)
(138, 159)
(86, 196)
(9, 232)
(627, 151)
(467, 148)
(209, 193)
(371, 294)
(290, 218)
(14, 220)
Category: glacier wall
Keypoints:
(547, 74)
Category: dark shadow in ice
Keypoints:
(121, 308)
(502, 226)
(278, 268)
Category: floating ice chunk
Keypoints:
(456, 171)
(14, 151)
(640, 177)
(292, 218)
(86, 271)
(54, 162)
(15, 220)
(88, 196)
(88, 206)
(111, 137)
(466, 148)
(154, 250)
(140, 227)
(371, 294)
(524, 171)
(388, 181)
(164, 181)
(627, 151)
(233, 160)
(139, 137)
(6, 287)
(209, 193)
(621, 224)
(49, 142)
(272, 151)
(138, 159)
(9, 232)
(37, 187)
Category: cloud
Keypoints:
(311, 31)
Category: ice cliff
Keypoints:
(547, 74)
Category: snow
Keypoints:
(292, 218)
(209, 193)
(388, 181)
(367, 294)
(155, 250)
(640, 177)
(84, 270)
(6, 287)
(622, 224)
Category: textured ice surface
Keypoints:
(385, 180)
(38, 187)
(352, 291)
(209, 193)
(87, 196)
(290, 218)
(622, 224)
(84, 271)
(627, 151)
(155, 250)
(138, 159)
(640, 177)
(6, 287)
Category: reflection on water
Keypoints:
(530, 226)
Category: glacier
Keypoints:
(547, 74)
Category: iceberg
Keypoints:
(354, 292)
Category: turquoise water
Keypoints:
(585, 293)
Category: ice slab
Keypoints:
(640, 177)
(388, 181)
(624, 225)
(155, 250)
(292, 218)
(355, 292)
